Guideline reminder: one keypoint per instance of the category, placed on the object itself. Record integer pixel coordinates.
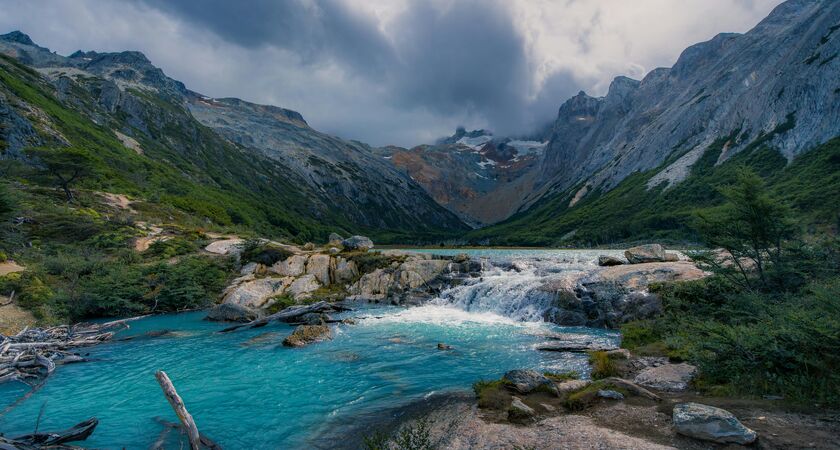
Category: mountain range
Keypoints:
(630, 164)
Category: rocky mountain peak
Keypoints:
(17, 36)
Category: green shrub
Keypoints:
(263, 253)
(174, 246)
(603, 366)
(369, 261)
(492, 394)
(562, 376)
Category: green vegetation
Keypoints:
(587, 396)
(562, 376)
(491, 394)
(632, 212)
(415, 436)
(603, 365)
(768, 321)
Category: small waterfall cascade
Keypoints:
(520, 286)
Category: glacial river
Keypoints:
(245, 390)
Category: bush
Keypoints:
(491, 394)
(167, 248)
(263, 253)
(602, 365)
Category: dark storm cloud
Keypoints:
(465, 57)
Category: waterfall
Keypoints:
(520, 286)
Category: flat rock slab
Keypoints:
(575, 347)
(711, 424)
(667, 377)
(225, 247)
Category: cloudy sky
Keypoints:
(392, 71)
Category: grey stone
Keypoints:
(527, 381)
(711, 424)
(519, 412)
(357, 243)
(606, 260)
(645, 254)
(667, 377)
(231, 312)
(307, 334)
(610, 394)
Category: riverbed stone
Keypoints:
(667, 377)
(711, 424)
(519, 412)
(527, 381)
(645, 254)
(307, 334)
(419, 273)
(610, 394)
(231, 312)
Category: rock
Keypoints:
(572, 385)
(671, 257)
(667, 377)
(357, 243)
(333, 251)
(231, 312)
(527, 381)
(606, 260)
(519, 412)
(345, 270)
(645, 254)
(548, 407)
(575, 347)
(309, 246)
(303, 286)
(711, 424)
(610, 394)
(225, 246)
(319, 265)
(619, 353)
(255, 293)
(348, 321)
(252, 268)
(314, 319)
(334, 239)
(374, 285)
(418, 273)
(293, 266)
(632, 388)
(307, 334)
(461, 258)
(442, 346)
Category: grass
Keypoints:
(603, 365)
(492, 394)
(585, 397)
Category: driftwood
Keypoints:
(54, 439)
(34, 352)
(180, 409)
(167, 425)
(288, 314)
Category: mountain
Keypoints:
(480, 177)
(724, 102)
(288, 175)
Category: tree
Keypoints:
(751, 226)
(66, 165)
(6, 203)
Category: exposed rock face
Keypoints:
(320, 266)
(257, 292)
(667, 377)
(307, 334)
(527, 381)
(711, 424)
(645, 254)
(293, 266)
(334, 239)
(232, 312)
(416, 279)
(303, 286)
(345, 270)
(610, 394)
(357, 243)
(744, 86)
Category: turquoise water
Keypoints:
(247, 391)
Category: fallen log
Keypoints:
(205, 441)
(180, 409)
(286, 314)
(78, 432)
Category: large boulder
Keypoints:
(667, 377)
(645, 254)
(418, 273)
(256, 293)
(335, 239)
(319, 265)
(527, 381)
(231, 312)
(711, 424)
(373, 286)
(303, 286)
(357, 243)
(293, 266)
(307, 334)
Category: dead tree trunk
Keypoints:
(180, 410)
